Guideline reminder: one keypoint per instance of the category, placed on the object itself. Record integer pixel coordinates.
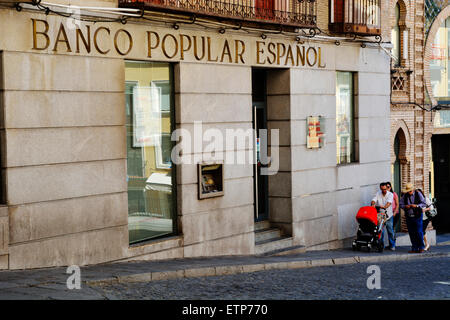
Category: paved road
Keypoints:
(417, 279)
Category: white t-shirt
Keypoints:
(381, 200)
(429, 205)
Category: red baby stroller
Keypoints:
(371, 222)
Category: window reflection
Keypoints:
(344, 118)
(395, 36)
(439, 72)
(149, 167)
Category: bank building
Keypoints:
(98, 97)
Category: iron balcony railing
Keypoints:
(297, 13)
(360, 17)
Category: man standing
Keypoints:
(413, 202)
(384, 200)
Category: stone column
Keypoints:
(215, 97)
(65, 159)
(279, 118)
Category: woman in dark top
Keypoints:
(426, 220)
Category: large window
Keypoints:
(345, 118)
(439, 70)
(395, 35)
(149, 115)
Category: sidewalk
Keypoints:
(443, 239)
(51, 282)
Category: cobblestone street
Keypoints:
(420, 279)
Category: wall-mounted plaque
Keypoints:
(210, 180)
(315, 127)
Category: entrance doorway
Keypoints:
(259, 106)
(397, 176)
(397, 185)
(441, 163)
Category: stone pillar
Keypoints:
(279, 118)
(65, 160)
(314, 174)
(217, 97)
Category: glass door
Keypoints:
(261, 181)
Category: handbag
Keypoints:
(432, 212)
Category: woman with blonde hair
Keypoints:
(426, 220)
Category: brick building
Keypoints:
(418, 128)
(410, 124)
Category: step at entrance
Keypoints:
(267, 234)
(270, 241)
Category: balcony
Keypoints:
(292, 13)
(358, 17)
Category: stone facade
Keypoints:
(64, 161)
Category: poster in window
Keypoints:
(146, 116)
(315, 132)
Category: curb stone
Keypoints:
(228, 270)
(276, 265)
(238, 269)
(253, 268)
(322, 262)
(200, 272)
(142, 277)
(299, 264)
(348, 260)
(168, 275)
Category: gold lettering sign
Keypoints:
(182, 47)
(164, 44)
(86, 40)
(197, 57)
(130, 42)
(62, 32)
(42, 33)
(172, 46)
(95, 40)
